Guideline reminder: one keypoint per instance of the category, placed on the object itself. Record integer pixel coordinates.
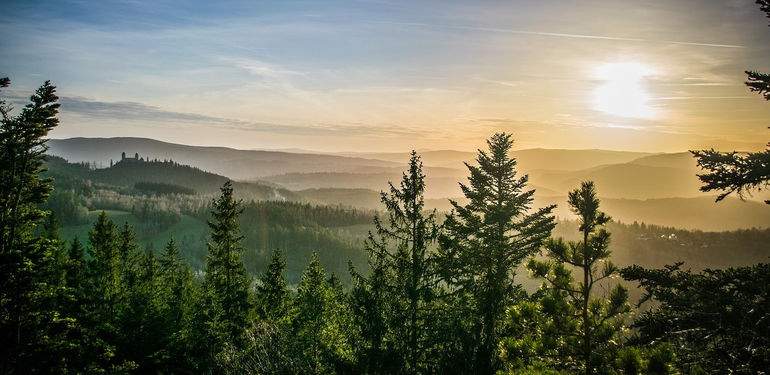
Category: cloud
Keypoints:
(260, 68)
(566, 35)
(134, 111)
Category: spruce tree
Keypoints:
(487, 239)
(104, 267)
(320, 339)
(128, 256)
(730, 172)
(76, 273)
(143, 339)
(395, 302)
(370, 299)
(30, 323)
(590, 325)
(715, 320)
(105, 296)
(272, 295)
(225, 283)
(175, 284)
(176, 290)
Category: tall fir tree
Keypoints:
(369, 301)
(487, 239)
(30, 324)
(272, 295)
(320, 340)
(175, 283)
(176, 290)
(142, 329)
(104, 266)
(129, 256)
(589, 325)
(106, 294)
(402, 286)
(225, 284)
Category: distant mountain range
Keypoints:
(528, 160)
(127, 175)
(235, 164)
(654, 188)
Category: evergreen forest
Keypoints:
(120, 271)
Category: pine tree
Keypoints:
(714, 320)
(106, 296)
(128, 256)
(730, 171)
(225, 284)
(402, 285)
(176, 284)
(104, 267)
(598, 319)
(309, 314)
(370, 299)
(76, 272)
(30, 324)
(487, 239)
(760, 82)
(143, 338)
(176, 290)
(339, 337)
(272, 295)
(320, 339)
(90, 353)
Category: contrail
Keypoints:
(563, 35)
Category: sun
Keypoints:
(622, 92)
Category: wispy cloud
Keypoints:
(133, 111)
(260, 68)
(566, 35)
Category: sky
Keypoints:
(381, 75)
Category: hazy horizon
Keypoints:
(380, 76)
(473, 149)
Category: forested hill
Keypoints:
(233, 163)
(161, 199)
(129, 174)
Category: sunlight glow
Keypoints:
(623, 94)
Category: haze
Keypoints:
(654, 76)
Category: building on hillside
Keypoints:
(136, 158)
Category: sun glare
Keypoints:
(622, 93)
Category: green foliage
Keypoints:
(176, 297)
(267, 350)
(111, 308)
(319, 321)
(162, 188)
(732, 172)
(589, 327)
(225, 284)
(532, 335)
(715, 320)
(657, 359)
(272, 295)
(33, 329)
(729, 171)
(487, 239)
(395, 304)
(154, 177)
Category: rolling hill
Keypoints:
(658, 188)
(687, 213)
(528, 159)
(127, 175)
(235, 164)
